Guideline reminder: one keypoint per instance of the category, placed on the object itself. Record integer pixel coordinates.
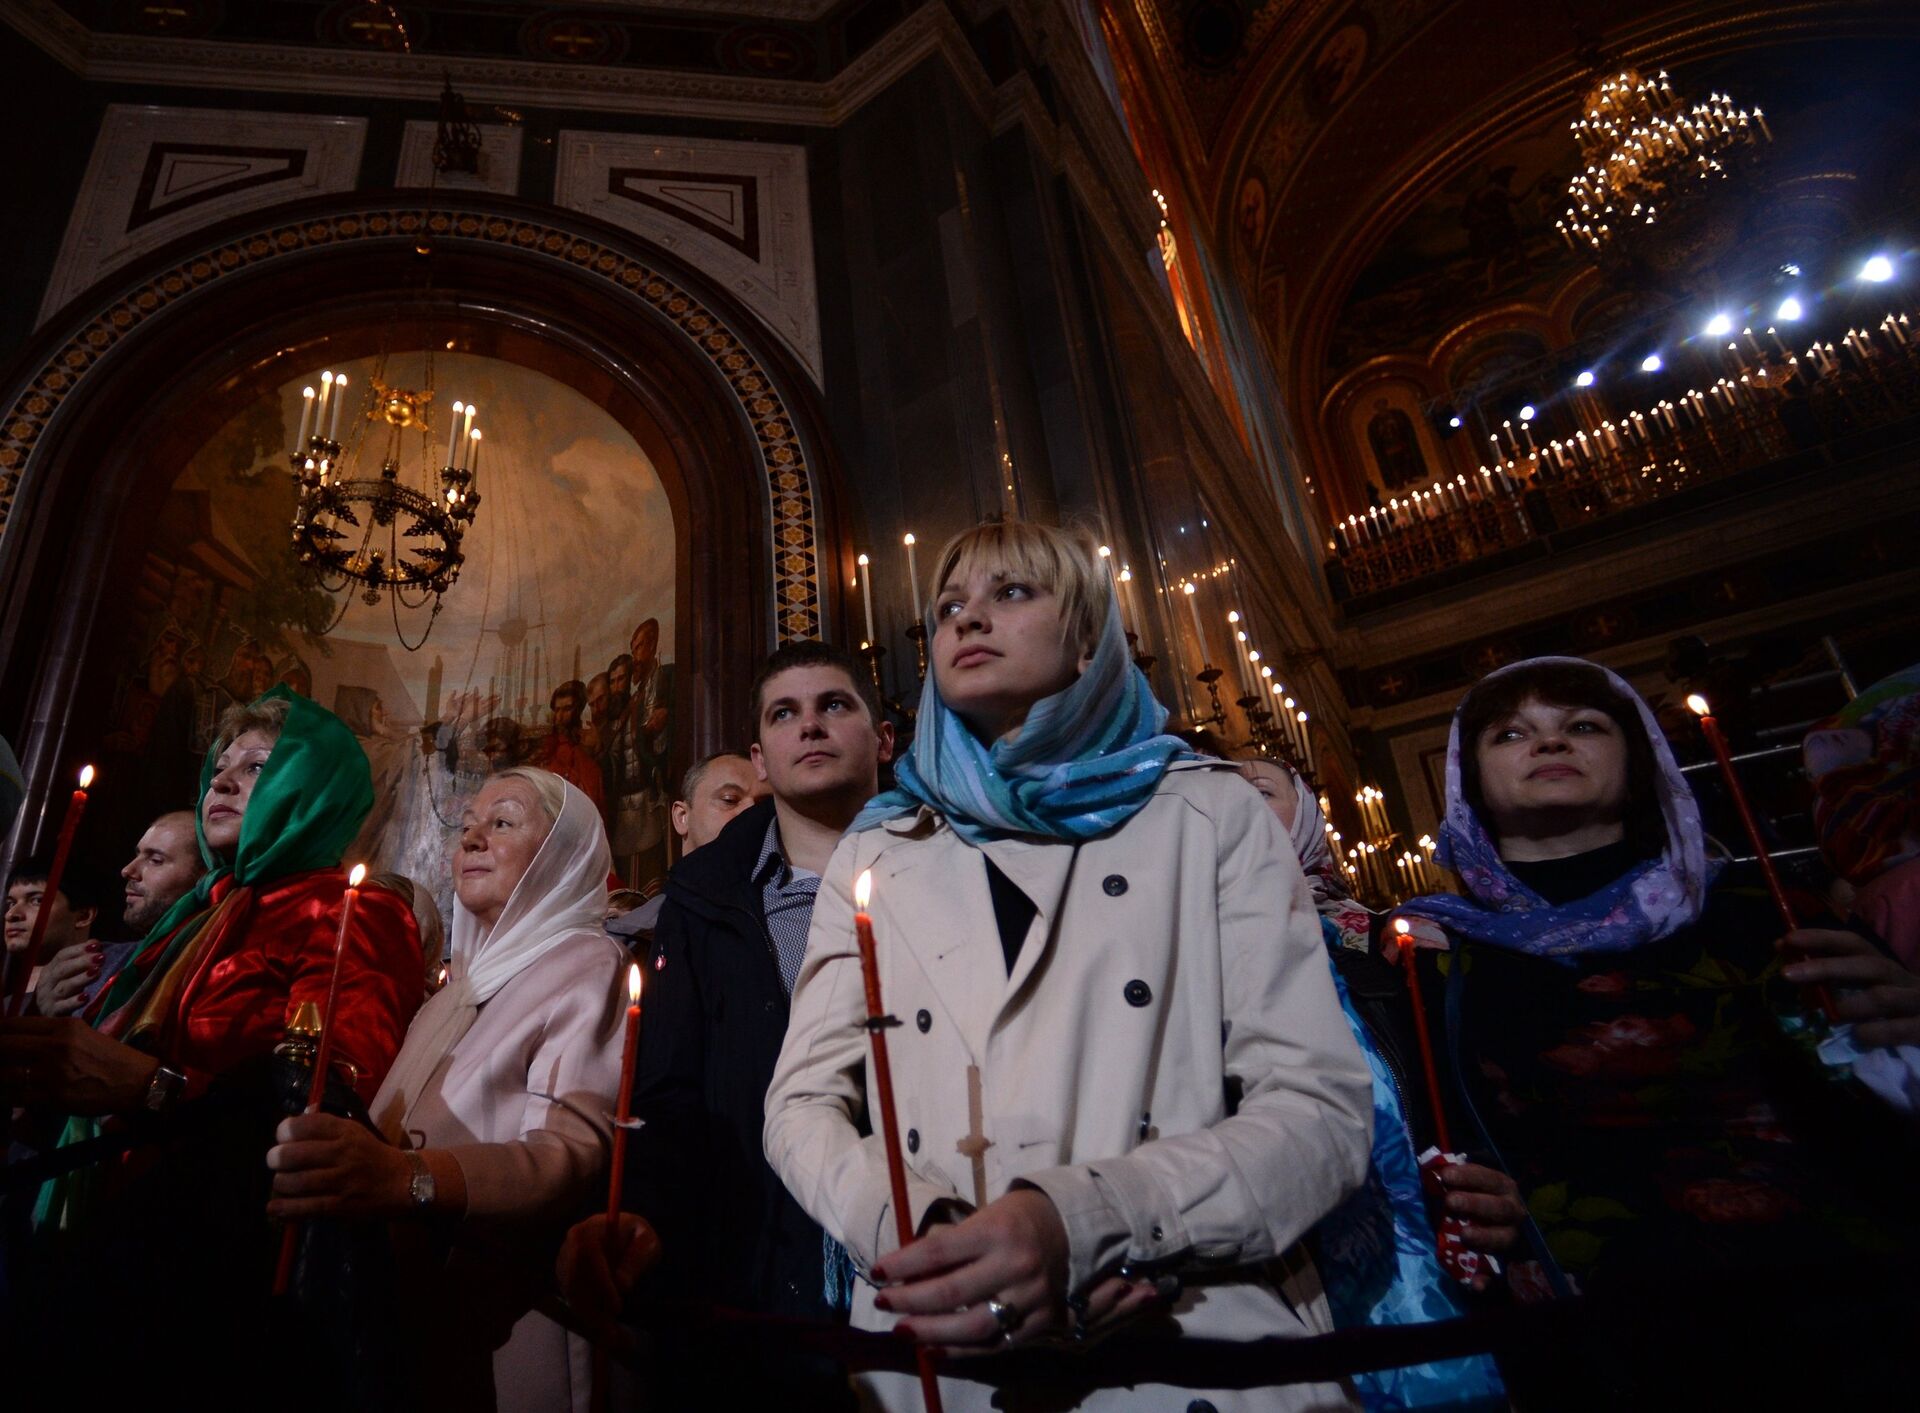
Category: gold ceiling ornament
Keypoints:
(1644, 153)
(348, 526)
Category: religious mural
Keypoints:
(554, 648)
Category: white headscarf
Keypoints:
(562, 894)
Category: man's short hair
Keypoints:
(84, 884)
(575, 689)
(814, 654)
(695, 773)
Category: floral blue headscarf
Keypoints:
(1085, 762)
(1653, 899)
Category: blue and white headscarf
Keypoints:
(1086, 760)
(1653, 899)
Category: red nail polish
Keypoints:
(880, 1302)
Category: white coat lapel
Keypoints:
(1041, 870)
(950, 931)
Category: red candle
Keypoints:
(623, 1106)
(1711, 730)
(30, 958)
(1403, 937)
(877, 1022)
(322, 1057)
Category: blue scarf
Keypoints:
(1084, 763)
(1653, 899)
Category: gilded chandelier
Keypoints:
(393, 539)
(1644, 152)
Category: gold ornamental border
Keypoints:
(796, 584)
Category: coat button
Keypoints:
(1138, 993)
(913, 1140)
(1115, 885)
(925, 1021)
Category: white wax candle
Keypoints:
(1193, 608)
(473, 455)
(339, 401)
(866, 595)
(306, 421)
(326, 396)
(453, 432)
(913, 581)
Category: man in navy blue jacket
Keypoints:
(714, 1225)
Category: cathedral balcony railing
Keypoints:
(1548, 497)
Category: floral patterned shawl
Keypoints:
(1654, 899)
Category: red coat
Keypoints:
(236, 1006)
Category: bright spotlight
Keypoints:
(1719, 326)
(1585, 380)
(1878, 270)
(1526, 413)
(1789, 310)
(1651, 363)
(1453, 421)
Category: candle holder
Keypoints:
(917, 634)
(1143, 661)
(874, 653)
(1210, 678)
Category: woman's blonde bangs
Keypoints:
(1062, 562)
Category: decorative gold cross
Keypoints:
(975, 1145)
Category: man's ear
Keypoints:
(678, 812)
(83, 920)
(759, 765)
(884, 733)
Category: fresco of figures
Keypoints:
(554, 647)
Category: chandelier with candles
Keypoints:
(394, 536)
(1644, 153)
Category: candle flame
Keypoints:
(475, 434)
(1187, 587)
(306, 392)
(1402, 927)
(863, 889)
(862, 561)
(458, 406)
(340, 382)
(86, 776)
(358, 876)
(633, 983)
(909, 540)
(1233, 615)
(1105, 552)
(1697, 704)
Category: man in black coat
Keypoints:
(713, 1224)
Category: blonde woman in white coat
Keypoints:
(1075, 924)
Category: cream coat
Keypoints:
(1174, 955)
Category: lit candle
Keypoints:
(322, 1060)
(473, 453)
(866, 595)
(1306, 742)
(913, 580)
(339, 401)
(1403, 940)
(326, 396)
(623, 1107)
(877, 1022)
(30, 958)
(1193, 608)
(1710, 728)
(306, 421)
(469, 410)
(453, 431)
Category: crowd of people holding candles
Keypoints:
(1048, 1061)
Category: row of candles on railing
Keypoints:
(1754, 378)
(1275, 720)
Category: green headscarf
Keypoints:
(313, 794)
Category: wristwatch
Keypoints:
(420, 1185)
(163, 1090)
